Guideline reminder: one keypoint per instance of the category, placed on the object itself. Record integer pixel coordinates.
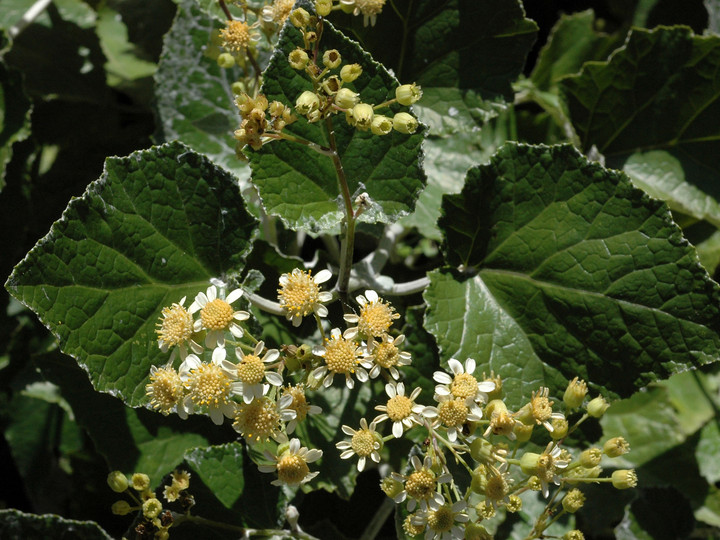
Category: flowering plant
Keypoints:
(367, 247)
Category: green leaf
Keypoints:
(649, 424)
(457, 44)
(448, 111)
(708, 449)
(688, 393)
(660, 514)
(16, 524)
(568, 261)
(661, 175)
(157, 226)
(713, 9)
(194, 97)
(709, 252)
(658, 92)
(572, 42)
(299, 184)
(236, 483)
(15, 110)
(709, 512)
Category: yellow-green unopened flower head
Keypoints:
(140, 481)
(323, 7)
(350, 72)
(298, 59)
(300, 18)
(346, 98)
(590, 457)
(407, 94)
(225, 60)
(573, 501)
(117, 481)
(575, 393)
(381, 125)
(331, 58)
(152, 508)
(624, 479)
(573, 535)
(362, 115)
(615, 447)
(597, 407)
(307, 102)
(405, 123)
(121, 508)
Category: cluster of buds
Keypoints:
(330, 94)
(261, 121)
(155, 520)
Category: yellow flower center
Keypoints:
(441, 520)
(251, 370)
(292, 469)
(299, 403)
(411, 528)
(420, 485)
(502, 423)
(165, 389)
(464, 386)
(363, 443)
(216, 315)
(541, 406)
(386, 355)
(496, 487)
(256, 420)
(341, 355)
(299, 294)
(545, 468)
(375, 318)
(236, 36)
(176, 325)
(370, 7)
(208, 385)
(453, 412)
(399, 408)
(281, 10)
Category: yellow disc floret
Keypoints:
(386, 354)
(363, 443)
(496, 487)
(441, 520)
(341, 355)
(291, 469)
(399, 408)
(299, 293)
(376, 318)
(216, 315)
(453, 412)
(165, 389)
(236, 36)
(257, 420)
(208, 385)
(251, 370)
(176, 325)
(420, 485)
(541, 406)
(299, 403)
(464, 385)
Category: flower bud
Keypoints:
(225, 60)
(391, 487)
(238, 88)
(140, 481)
(478, 479)
(615, 447)
(307, 101)
(152, 508)
(362, 115)
(381, 125)
(331, 85)
(514, 504)
(523, 432)
(560, 428)
(117, 481)
(407, 94)
(475, 531)
(529, 462)
(573, 535)
(590, 457)
(597, 407)
(347, 6)
(350, 72)
(331, 58)
(573, 501)
(346, 98)
(575, 393)
(624, 479)
(121, 508)
(323, 7)
(298, 59)
(299, 18)
(405, 123)
(292, 515)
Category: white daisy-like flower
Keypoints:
(263, 418)
(400, 409)
(218, 316)
(208, 387)
(251, 372)
(166, 390)
(385, 354)
(540, 408)
(445, 523)
(461, 383)
(364, 443)
(291, 466)
(420, 486)
(546, 466)
(175, 330)
(342, 357)
(376, 317)
(300, 295)
(452, 413)
(300, 405)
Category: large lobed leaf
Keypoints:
(299, 184)
(656, 102)
(569, 269)
(16, 524)
(156, 226)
